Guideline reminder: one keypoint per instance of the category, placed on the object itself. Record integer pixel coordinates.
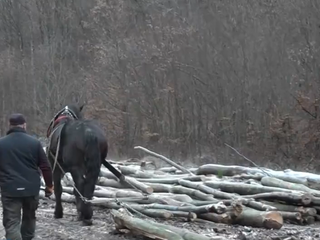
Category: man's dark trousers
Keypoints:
(12, 206)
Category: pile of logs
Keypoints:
(256, 197)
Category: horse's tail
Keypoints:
(92, 162)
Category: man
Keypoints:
(21, 156)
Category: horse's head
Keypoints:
(68, 113)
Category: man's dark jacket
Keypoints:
(21, 156)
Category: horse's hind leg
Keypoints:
(79, 182)
(58, 212)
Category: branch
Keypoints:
(303, 108)
(247, 159)
(165, 159)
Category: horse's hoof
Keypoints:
(79, 217)
(58, 215)
(87, 222)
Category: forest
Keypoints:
(183, 78)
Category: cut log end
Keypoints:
(306, 199)
(273, 220)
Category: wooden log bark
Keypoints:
(148, 187)
(120, 217)
(104, 172)
(286, 175)
(178, 197)
(191, 192)
(66, 197)
(246, 202)
(223, 170)
(260, 219)
(305, 211)
(172, 179)
(142, 227)
(243, 188)
(232, 212)
(136, 184)
(172, 163)
(257, 177)
(258, 205)
(193, 170)
(274, 182)
(168, 169)
(128, 170)
(291, 198)
(292, 217)
(308, 220)
(215, 208)
(205, 189)
(226, 202)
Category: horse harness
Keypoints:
(53, 128)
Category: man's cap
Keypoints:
(17, 119)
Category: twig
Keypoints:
(302, 107)
(165, 159)
(247, 159)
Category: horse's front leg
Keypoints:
(58, 212)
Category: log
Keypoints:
(138, 185)
(134, 208)
(286, 175)
(142, 227)
(64, 196)
(315, 201)
(257, 177)
(305, 211)
(223, 170)
(173, 179)
(193, 170)
(125, 193)
(122, 219)
(167, 200)
(129, 182)
(258, 205)
(109, 193)
(104, 172)
(191, 192)
(260, 219)
(190, 216)
(291, 198)
(178, 197)
(148, 187)
(243, 188)
(205, 189)
(274, 182)
(128, 170)
(308, 220)
(292, 217)
(233, 211)
(246, 202)
(215, 208)
(168, 169)
(227, 202)
(172, 163)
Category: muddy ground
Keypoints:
(68, 228)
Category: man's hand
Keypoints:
(48, 191)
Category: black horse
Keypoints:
(81, 148)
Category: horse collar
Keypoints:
(58, 119)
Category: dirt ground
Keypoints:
(68, 228)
